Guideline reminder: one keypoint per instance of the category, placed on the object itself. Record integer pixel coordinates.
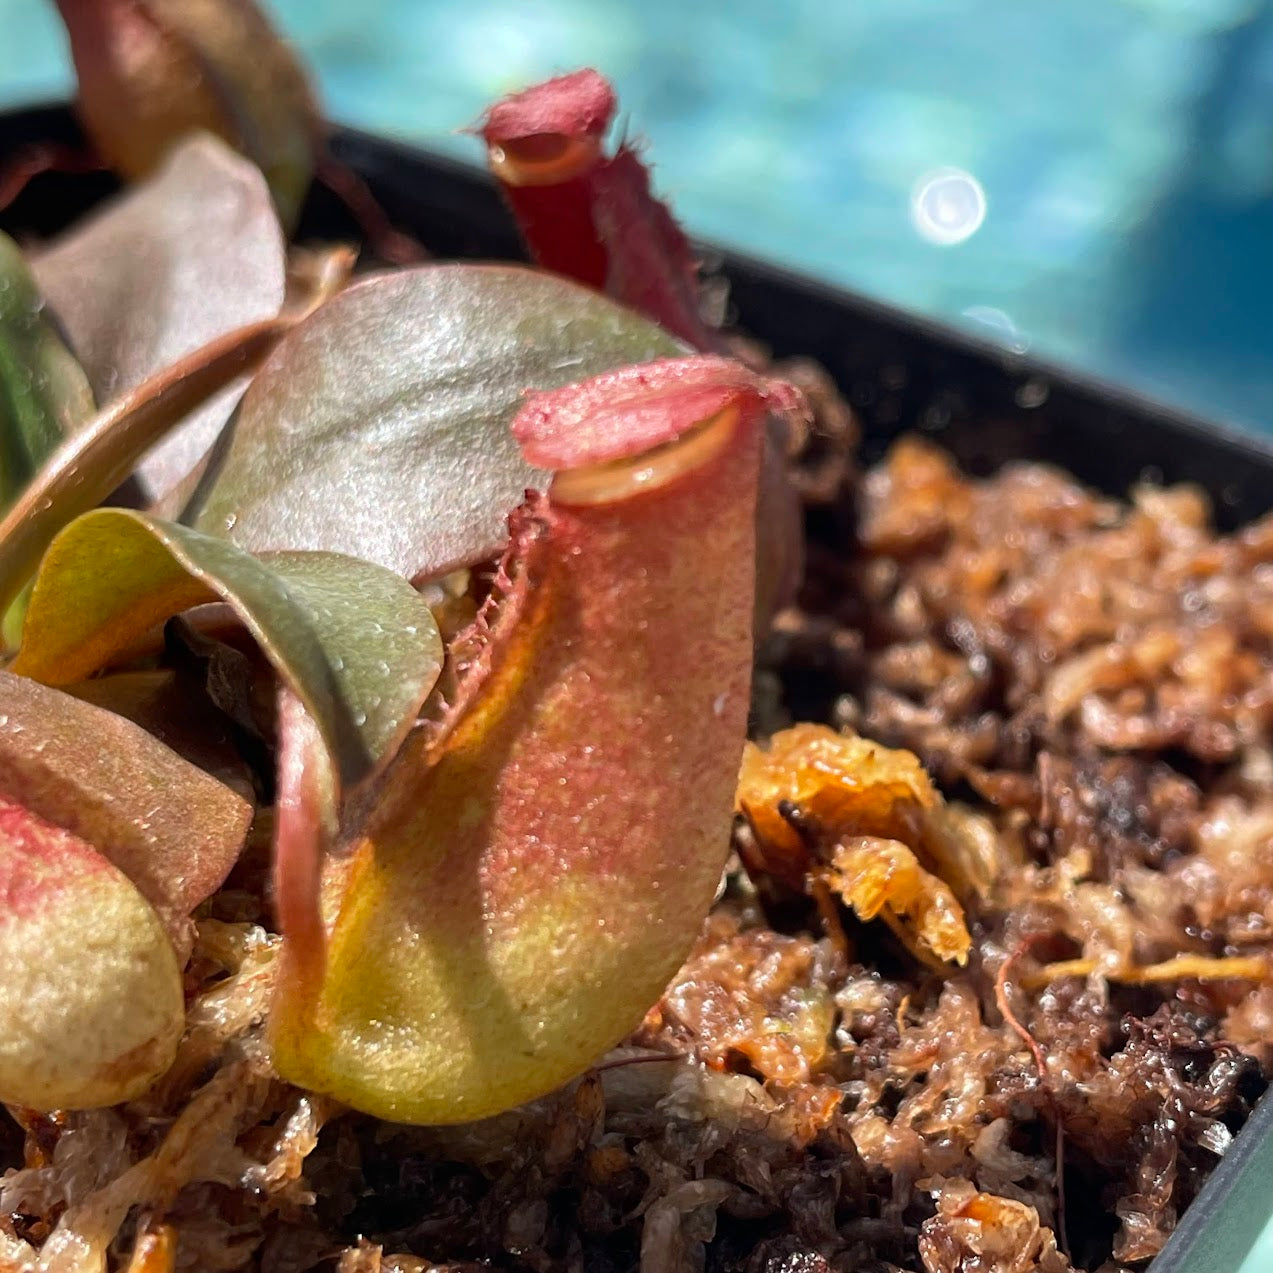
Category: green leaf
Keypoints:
(88, 466)
(174, 830)
(91, 1006)
(355, 643)
(379, 426)
(174, 263)
(44, 394)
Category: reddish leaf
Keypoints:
(91, 1005)
(165, 706)
(178, 261)
(171, 828)
(379, 429)
(153, 71)
(302, 835)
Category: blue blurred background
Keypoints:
(1089, 179)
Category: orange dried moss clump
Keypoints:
(846, 785)
(854, 816)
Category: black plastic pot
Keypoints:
(901, 374)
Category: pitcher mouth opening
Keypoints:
(618, 480)
(542, 159)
